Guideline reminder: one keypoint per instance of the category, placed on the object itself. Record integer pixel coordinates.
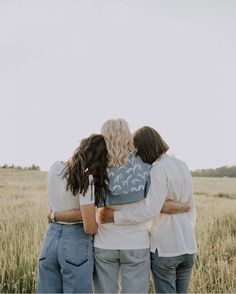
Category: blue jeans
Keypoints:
(66, 260)
(171, 274)
(132, 267)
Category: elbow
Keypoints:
(90, 230)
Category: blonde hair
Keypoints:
(119, 141)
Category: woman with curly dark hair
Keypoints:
(66, 260)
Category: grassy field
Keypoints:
(23, 221)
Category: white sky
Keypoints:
(68, 66)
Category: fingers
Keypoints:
(104, 215)
(188, 208)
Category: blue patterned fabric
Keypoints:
(129, 182)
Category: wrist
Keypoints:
(52, 216)
(114, 217)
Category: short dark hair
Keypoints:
(149, 144)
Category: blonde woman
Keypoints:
(122, 251)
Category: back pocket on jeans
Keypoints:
(76, 253)
(140, 253)
(169, 262)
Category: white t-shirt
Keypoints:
(122, 237)
(58, 198)
(132, 236)
(171, 234)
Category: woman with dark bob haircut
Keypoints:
(173, 243)
(66, 261)
(146, 137)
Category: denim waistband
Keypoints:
(64, 229)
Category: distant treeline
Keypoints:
(32, 167)
(224, 171)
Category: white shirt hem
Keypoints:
(161, 254)
(120, 247)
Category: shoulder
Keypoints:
(170, 165)
(56, 168)
(57, 163)
(178, 162)
(137, 160)
(157, 168)
(166, 159)
(161, 165)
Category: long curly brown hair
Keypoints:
(90, 158)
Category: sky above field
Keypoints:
(68, 66)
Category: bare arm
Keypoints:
(74, 215)
(85, 213)
(68, 216)
(89, 218)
